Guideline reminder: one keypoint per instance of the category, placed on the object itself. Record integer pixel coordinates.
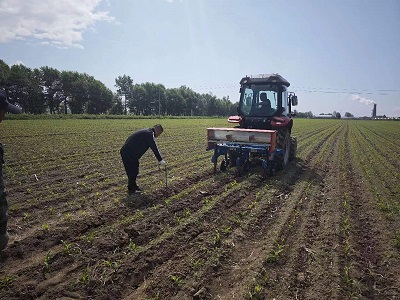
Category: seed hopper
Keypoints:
(241, 145)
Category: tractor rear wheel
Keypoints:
(293, 148)
(283, 142)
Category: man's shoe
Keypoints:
(136, 190)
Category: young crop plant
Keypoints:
(294, 219)
(47, 260)
(70, 249)
(196, 264)
(85, 277)
(68, 217)
(277, 252)
(6, 281)
(89, 237)
(178, 219)
(217, 239)
(207, 201)
(45, 227)
(26, 217)
(256, 293)
(236, 219)
(111, 264)
(176, 280)
(347, 277)
(132, 246)
(155, 297)
(187, 213)
(112, 229)
(253, 205)
(227, 230)
(397, 239)
(231, 185)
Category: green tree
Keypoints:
(36, 103)
(124, 85)
(99, 97)
(18, 88)
(117, 107)
(71, 91)
(336, 115)
(51, 81)
(348, 115)
(191, 101)
(138, 103)
(175, 102)
(4, 74)
(151, 102)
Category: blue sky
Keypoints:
(338, 55)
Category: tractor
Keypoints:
(264, 124)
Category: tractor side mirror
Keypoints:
(294, 100)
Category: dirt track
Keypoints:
(314, 231)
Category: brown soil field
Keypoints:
(326, 227)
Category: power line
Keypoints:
(306, 89)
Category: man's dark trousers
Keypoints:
(131, 164)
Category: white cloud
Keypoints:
(57, 22)
(362, 100)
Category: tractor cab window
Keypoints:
(259, 101)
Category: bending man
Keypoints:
(5, 106)
(133, 149)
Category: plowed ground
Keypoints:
(326, 227)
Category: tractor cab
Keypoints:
(265, 102)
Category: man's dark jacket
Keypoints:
(139, 142)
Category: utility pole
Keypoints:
(124, 96)
(159, 104)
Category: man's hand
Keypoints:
(162, 162)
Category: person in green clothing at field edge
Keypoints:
(5, 106)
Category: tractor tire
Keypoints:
(224, 165)
(232, 156)
(283, 142)
(293, 148)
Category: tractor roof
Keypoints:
(264, 78)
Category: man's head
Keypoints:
(157, 130)
(263, 97)
(264, 100)
(5, 106)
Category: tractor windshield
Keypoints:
(262, 100)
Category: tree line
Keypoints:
(48, 90)
(334, 115)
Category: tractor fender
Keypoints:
(282, 122)
(234, 119)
